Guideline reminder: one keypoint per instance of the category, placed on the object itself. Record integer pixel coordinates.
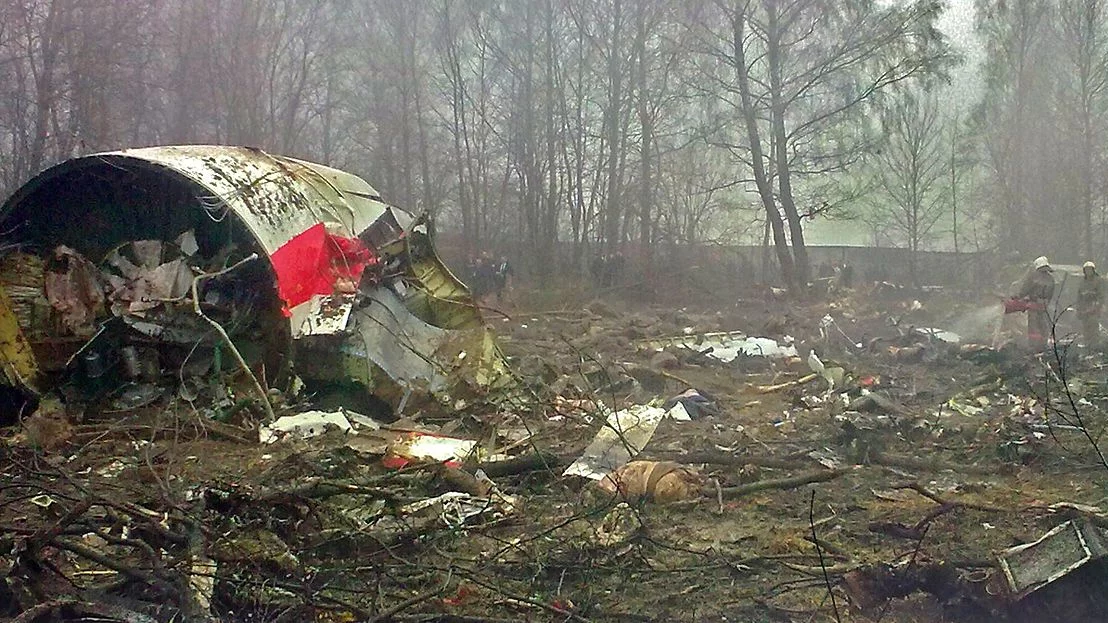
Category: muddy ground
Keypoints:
(166, 514)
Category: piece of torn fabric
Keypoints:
(73, 287)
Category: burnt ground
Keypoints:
(164, 512)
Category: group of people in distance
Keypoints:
(1035, 292)
(488, 277)
(840, 275)
(607, 268)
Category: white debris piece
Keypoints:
(322, 315)
(726, 347)
(304, 425)
(814, 363)
(424, 447)
(942, 335)
(728, 350)
(679, 413)
(187, 243)
(623, 436)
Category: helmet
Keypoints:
(1041, 262)
(1088, 264)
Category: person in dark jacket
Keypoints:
(484, 277)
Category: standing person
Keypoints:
(504, 274)
(848, 276)
(487, 271)
(471, 271)
(1090, 299)
(598, 269)
(837, 277)
(617, 264)
(482, 278)
(1035, 293)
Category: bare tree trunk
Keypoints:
(646, 150)
(550, 211)
(1089, 62)
(452, 65)
(612, 212)
(757, 156)
(954, 180)
(49, 48)
(801, 266)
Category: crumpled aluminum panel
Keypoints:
(274, 196)
(399, 343)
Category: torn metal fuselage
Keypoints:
(351, 290)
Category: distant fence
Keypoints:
(894, 265)
(728, 267)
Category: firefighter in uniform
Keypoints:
(1035, 293)
(1090, 299)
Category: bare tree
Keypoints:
(911, 171)
(1017, 34)
(1085, 96)
(526, 124)
(65, 80)
(804, 72)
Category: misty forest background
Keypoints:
(558, 130)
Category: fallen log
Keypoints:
(796, 460)
(911, 462)
(202, 426)
(390, 613)
(109, 562)
(319, 488)
(532, 462)
(462, 480)
(102, 612)
(920, 489)
(673, 377)
(450, 619)
(562, 312)
(791, 482)
(818, 571)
